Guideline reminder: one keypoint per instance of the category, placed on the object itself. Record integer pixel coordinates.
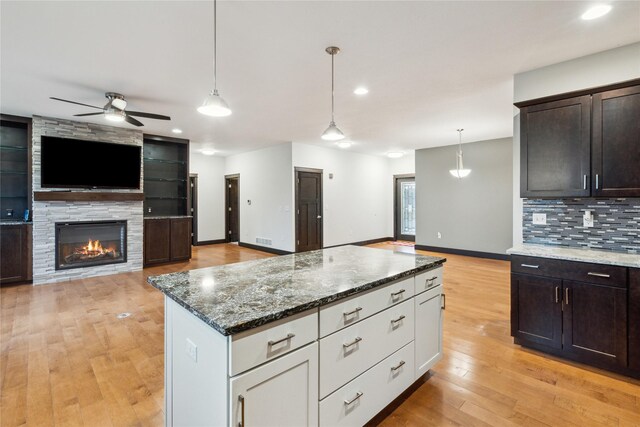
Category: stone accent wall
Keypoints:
(46, 214)
(616, 223)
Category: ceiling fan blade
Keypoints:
(73, 102)
(148, 115)
(132, 120)
(87, 114)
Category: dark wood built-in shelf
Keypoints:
(86, 196)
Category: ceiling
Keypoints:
(431, 67)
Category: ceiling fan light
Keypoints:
(114, 115)
(214, 106)
(332, 133)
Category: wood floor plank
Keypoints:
(66, 359)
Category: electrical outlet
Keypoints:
(192, 350)
(439, 235)
(587, 219)
(540, 219)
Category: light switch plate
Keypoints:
(540, 219)
(587, 222)
(192, 350)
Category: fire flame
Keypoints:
(95, 248)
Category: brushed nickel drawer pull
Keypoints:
(358, 396)
(241, 399)
(400, 365)
(584, 182)
(557, 294)
(606, 276)
(530, 266)
(394, 321)
(429, 282)
(395, 294)
(287, 338)
(597, 183)
(566, 296)
(354, 311)
(352, 343)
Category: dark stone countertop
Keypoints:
(236, 297)
(168, 217)
(14, 222)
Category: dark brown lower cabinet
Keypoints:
(166, 240)
(15, 253)
(592, 323)
(634, 319)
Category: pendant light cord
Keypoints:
(215, 45)
(332, 94)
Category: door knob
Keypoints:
(319, 216)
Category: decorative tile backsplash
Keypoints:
(616, 223)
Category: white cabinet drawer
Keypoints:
(343, 313)
(349, 352)
(428, 279)
(372, 391)
(256, 346)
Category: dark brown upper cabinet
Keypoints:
(554, 143)
(616, 143)
(581, 144)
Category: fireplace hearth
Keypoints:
(85, 244)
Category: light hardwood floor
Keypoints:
(66, 359)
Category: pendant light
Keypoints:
(459, 171)
(332, 133)
(214, 105)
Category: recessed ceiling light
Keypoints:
(208, 151)
(596, 12)
(344, 144)
(361, 90)
(395, 154)
(176, 130)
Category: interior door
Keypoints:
(308, 209)
(595, 322)
(405, 209)
(233, 208)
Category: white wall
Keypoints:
(210, 170)
(599, 69)
(266, 178)
(355, 201)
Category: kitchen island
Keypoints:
(327, 337)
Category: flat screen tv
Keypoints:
(75, 163)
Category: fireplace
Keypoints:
(84, 244)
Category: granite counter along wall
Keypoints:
(616, 223)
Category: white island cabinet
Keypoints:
(338, 360)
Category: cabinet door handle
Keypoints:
(394, 321)
(597, 184)
(400, 365)
(358, 396)
(584, 182)
(606, 276)
(241, 399)
(352, 343)
(444, 302)
(557, 294)
(395, 294)
(530, 266)
(287, 338)
(354, 311)
(429, 282)
(566, 296)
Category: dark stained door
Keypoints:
(634, 318)
(180, 238)
(536, 310)
(157, 241)
(308, 209)
(12, 264)
(555, 140)
(233, 208)
(616, 143)
(405, 209)
(595, 323)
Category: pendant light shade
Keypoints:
(214, 105)
(332, 133)
(459, 171)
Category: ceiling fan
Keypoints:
(114, 110)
